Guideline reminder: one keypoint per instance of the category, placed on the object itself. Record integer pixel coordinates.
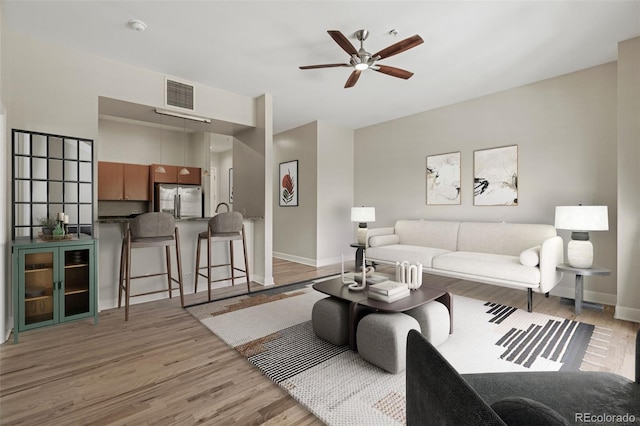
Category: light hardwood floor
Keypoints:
(164, 367)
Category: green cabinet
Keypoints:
(53, 282)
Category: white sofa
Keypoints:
(522, 256)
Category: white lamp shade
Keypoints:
(582, 218)
(363, 214)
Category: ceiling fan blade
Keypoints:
(353, 79)
(393, 71)
(343, 42)
(310, 67)
(399, 47)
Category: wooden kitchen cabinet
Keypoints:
(169, 175)
(123, 181)
(193, 178)
(172, 174)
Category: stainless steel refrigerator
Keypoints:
(179, 200)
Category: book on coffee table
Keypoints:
(389, 298)
(371, 279)
(388, 287)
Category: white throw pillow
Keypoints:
(383, 240)
(531, 256)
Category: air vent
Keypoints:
(179, 94)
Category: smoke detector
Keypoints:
(137, 25)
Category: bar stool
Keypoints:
(149, 230)
(222, 227)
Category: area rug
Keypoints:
(273, 331)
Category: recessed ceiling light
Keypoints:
(137, 25)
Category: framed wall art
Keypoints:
(443, 179)
(495, 176)
(288, 193)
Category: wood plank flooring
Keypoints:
(163, 367)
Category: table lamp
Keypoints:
(362, 215)
(581, 220)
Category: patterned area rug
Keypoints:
(273, 330)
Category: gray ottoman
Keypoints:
(434, 321)
(330, 320)
(382, 339)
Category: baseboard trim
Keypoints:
(296, 259)
(591, 296)
(627, 314)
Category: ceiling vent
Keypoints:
(178, 94)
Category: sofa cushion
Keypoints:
(428, 233)
(530, 257)
(502, 238)
(383, 240)
(400, 253)
(488, 265)
(518, 411)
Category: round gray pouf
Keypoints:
(434, 321)
(382, 339)
(330, 320)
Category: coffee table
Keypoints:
(361, 304)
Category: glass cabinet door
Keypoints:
(76, 297)
(38, 287)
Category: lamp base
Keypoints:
(361, 236)
(580, 254)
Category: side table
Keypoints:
(359, 254)
(580, 273)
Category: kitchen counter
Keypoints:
(127, 219)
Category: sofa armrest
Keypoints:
(378, 232)
(551, 255)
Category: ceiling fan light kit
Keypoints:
(362, 60)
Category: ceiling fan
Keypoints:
(361, 59)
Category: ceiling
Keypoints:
(470, 48)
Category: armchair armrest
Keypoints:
(551, 255)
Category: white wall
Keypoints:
(335, 193)
(628, 267)
(565, 129)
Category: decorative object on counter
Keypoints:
(443, 179)
(495, 176)
(48, 225)
(581, 220)
(409, 274)
(289, 184)
(362, 215)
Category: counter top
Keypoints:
(126, 219)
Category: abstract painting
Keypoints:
(289, 184)
(443, 179)
(495, 176)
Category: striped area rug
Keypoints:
(273, 331)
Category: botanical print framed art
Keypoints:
(495, 176)
(443, 179)
(289, 184)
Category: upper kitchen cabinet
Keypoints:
(123, 181)
(190, 175)
(163, 173)
(51, 174)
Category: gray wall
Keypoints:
(628, 306)
(318, 231)
(294, 228)
(565, 129)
